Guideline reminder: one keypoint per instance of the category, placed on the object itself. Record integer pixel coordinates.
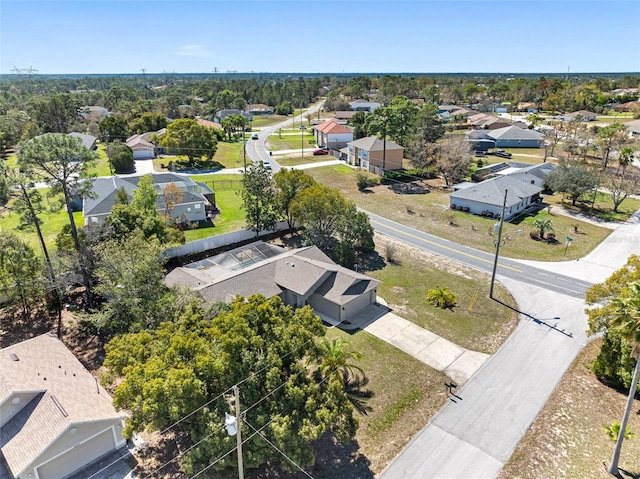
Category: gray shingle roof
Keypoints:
(491, 192)
(514, 133)
(373, 143)
(45, 366)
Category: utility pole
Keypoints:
(497, 243)
(236, 389)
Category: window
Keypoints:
(198, 206)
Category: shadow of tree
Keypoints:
(339, 460)
(14, 327)
(408, 189)
(370, 262)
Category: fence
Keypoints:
(219, 241)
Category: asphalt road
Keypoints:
(481, 260)
(257, 150)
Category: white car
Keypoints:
(267, 165)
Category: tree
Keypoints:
(172, 196)
(186, 137)
(20, 271)
(259, 198)
(357, 122)
(452, 159)
(398, 121)
(534, 119)
(355, 229)
(573, 178)
(148, 122)
(621, 182)
(259, 343)
(288, 183)
(336, 359)
(113, 128)
(55, 113)
(62, 161)
(609, 137)
(625, 157)
(441, 297)
(429, 124)
(121, 157)
(615, 306)
(129, 273)
(544, 225)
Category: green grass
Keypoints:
(603, 206)
(51, 225)
(431, 214)
(304, 160)
(260, 121)
(101, 166)
(290, 142)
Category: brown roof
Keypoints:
(66, 394)
(344, 115)
(210, 124)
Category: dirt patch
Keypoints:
(567, 439)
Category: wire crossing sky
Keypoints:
(307, 36)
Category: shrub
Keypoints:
(364, 181)
(613, 430)
(614, 364)
(390, 253)
(441, 297)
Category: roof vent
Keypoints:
(14, 357)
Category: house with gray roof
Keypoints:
(486, 198)
(55, 418)
(364, 105)
(583, 115)
(304, 276)
(516, 137)
(375, 154)
(197, 200)
(633, 127)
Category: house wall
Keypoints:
(476, 207)
(393, 159)
(324, 306)
(189, 212)
(518, 143)
(338, 140)
(70, 452)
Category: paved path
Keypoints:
(475, 435)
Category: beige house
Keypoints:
(304, 276)
(55, 418)
(375, 154)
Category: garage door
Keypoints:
(78, 457)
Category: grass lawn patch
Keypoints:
(567, 439)
(304, 160)
(290, 142)
(229, 200)
(429, 212)
(101, 166)
(603, 206)
(262, 121)
(477, 322)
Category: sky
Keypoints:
(307, 36)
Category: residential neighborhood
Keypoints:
(239, 256)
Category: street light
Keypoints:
(302, 128)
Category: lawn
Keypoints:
(274, 142)
(261, 121)
(407, 393)
(101, 166)
(603, 208)
(228, 199)
(304, 160)
(424, 206)
(567, 439)
(228, 155)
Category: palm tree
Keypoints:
(441, 297)
(336, 359)
(625, 157)
(544, 224)
(626, 319)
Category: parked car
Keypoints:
(502, 153)
(480, 153)
(254, 136)
(267, 165)
(320, 151)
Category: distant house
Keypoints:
(343, 117)
(259, 109)
(628, 106)
(374, 154)
(486, 121)
(332, 134)
(142, 149)
(527, 106)
(585, 115)
(88, 141)
(300, 277)
(197, 202)
(486, 198)
(479, 140)
(633, 127)
(209, 124)
(222, 114)
(515, 137)
(448, 108)
(55, 418)
(93, 111)
(364, 105)
(625, 91)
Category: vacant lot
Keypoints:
(567, 439)
(290, 142)
(304, 160)
(424, 206)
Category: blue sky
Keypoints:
(517, 36)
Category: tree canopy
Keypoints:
(186, 137)
(260, 344)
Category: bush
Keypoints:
(121, 157)
(614, 364)
(364, 181)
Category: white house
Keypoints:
(585, 115)
(364, 105)
(633, 127)
(142, 149)
(333, 135)
(55, 418)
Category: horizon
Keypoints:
(114, 37)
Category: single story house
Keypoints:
(625, 91)
(532, 174)
(343, 117)
(259, 109)
(479, 141)
(527, 106)
(364, 105)
(633, 127)
(208, 123)
(375, 154)
(486, 198)
(585, 115)
(300, 277)
(331, 134)
(627, 106)
(197, 202)
(55, 418)
(515, 137)
(98, 112)
(487, 121)
(448, 108)
(142, 149)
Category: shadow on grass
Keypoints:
(371, 262)
(339, 460)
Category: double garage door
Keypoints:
(78, 457)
